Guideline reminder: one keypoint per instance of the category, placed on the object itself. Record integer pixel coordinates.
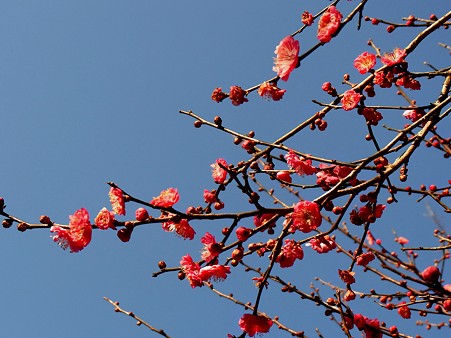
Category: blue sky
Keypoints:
(90, 92)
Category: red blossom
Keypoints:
(364, 62)
(166, 199)
(252, 324)
(401, 240)
(306, 217)
(328, 24)
(79, 234)
(329, 176)
(287, 59)
(191, 270)
(350, 99)
(383, 78)
(365, 258)
(117, 201)
(218, 95)
(284, 176)
(209, 196)
(301, 165)
(243, 233)
(404, 311)
(237, 95)
(414, 115)
(291, 251)
(182, 228)
(141, 214)
(347, 276)
(431, 274)
(322, 244)
(218, 173)
(307, 18)
(104, 219)
(370, 238)
(211, 248)
(329, 89)
(216, 272)
(393, 58)
(371, 115)
(259, 220)
(408, 82)
(270, 91)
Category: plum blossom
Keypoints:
(347, 276)
(211, 248)
(218, 95)
(431, 274)
(322, 244)
(394, 58)
(79, 233)
(291, 251)
(182, 228)
(414, 115)
(117, 201)
(301, 165)
(252, 324)
(166, 199)
(104, 219)
(350, 99)
(403, 310)
(328, 24)
(197, 275)
(307, 18)
(216, 272)
(372, 116)
(364, 258)
(270, 91)
(237, 95)
(364, 62)
(287, 59)
(306, 217)
(218, 173)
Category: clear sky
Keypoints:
(90, 93)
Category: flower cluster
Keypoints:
(301, 165)
(79, 233)
(322, 244)
(291, 251)
(328, 24)
(197, 275)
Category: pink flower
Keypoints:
(365, 258)
(166, 199)
(182, 228)
(401, 240)
(431, 274)
(306, 216)
(79, 234)
(350, 99)
(218, 95)
(117, 201)
(211, 248)
(329, 176)
(104, 219)
(141, 214)
(243, 233)
(404, 311)
(291, 251)
(191, 270)
(284, 176)
(209, 196)
(393, 58)
(237, 95)
(364, 62)
(287, 59)
(252, 324)
(307, 18)
(322, 244)
(328, 24)
(383, 78)
(218, 173)
(347, 276)
(413, 115)
(408, 82)
(371, 115)
(270, 91)
(216, 272)
(301, 165)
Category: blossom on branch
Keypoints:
(182, 228)
(104, 219)
(394, 57)
(350, 99)
(166, 199)
(328, 24)
(252, 324)
(218, 173)
(270, 91)
(322, 244)
(306, 217)
(79, 234)
(211, 248)
(291, 251)
(287, 59)
(237, 95)
(364, 62)
(307, 18)
(301, 165)
(197, 275)
(117, 201)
